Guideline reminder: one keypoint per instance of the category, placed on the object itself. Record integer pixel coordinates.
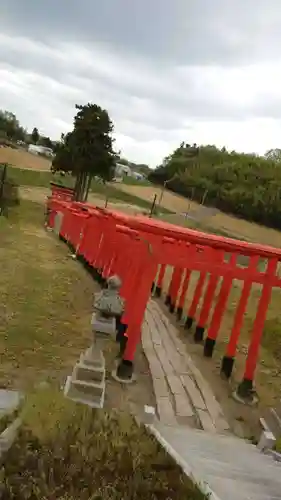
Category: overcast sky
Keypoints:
(205, 71)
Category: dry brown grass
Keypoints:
(45, 302)
(239, 228)
(22, 159)
(45, 310)
(68, 451)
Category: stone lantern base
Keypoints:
(87, 383)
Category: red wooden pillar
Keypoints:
(215, 256)
(136, 310)
(229, 357)
(195, 300)
(160, 279)
(175, 288)
(245, 389)
(173, 278)
(224, 293)
(184, 289)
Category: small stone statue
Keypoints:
(107, 306)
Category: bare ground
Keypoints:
(39, 195)
(22, 159)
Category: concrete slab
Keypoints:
(9, 400)
(229, 467)
(88, 373)
(78, 396)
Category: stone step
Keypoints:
(233, 468)
(94, 389)
(278, 409)
(93, 358)
(9, 400)
(88, 373)
(272, 421)
(90, 393)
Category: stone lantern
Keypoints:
(87, 383)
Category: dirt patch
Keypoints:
(22, 159)
(36, 194)
(39, 195)
(170, 201)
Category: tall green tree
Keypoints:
(46, 142)
(246, 185)
(87, 150)
(273, 154)
(35, 135)
(10, 127)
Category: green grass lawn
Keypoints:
(46, 301)
(135, 182)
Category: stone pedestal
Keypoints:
(88, 393)
(267, 441)
(85, 372)
(87, 383)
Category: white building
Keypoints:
(122, 170)
(36, 150)
(137, 176)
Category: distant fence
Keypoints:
(3, 175)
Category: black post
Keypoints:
(2, 182)
(153, 206)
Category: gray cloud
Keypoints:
(163, 68)
(205, 32)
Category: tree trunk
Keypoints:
(87, 187)
(80, 186)
(77, 186)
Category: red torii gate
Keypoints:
(136, 246)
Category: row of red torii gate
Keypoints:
(140, 250)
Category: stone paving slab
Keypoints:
(9, 400)
(183, 407)
(232, 468)
(180, 389)
(166, 411)
(194, 393)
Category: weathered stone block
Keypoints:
(94, 358)
(88, 373)
(175, 384)
(89, 393)
(183, 406)
(193, 392)
(165, 411)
